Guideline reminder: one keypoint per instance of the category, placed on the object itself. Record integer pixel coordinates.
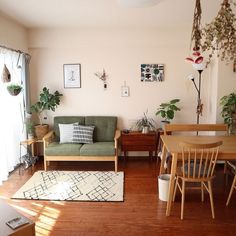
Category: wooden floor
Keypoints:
(141, 213)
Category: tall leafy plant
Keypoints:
(228, 111)
(47, 101)
(167, 110)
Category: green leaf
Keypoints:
(170, 114)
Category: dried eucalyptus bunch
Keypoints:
(196, 30)
(220, 34)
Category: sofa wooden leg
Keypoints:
(45, 165)
(116, 164)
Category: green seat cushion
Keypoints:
(98, 149)
(63, 149)
(105, 127)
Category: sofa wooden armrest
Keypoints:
(48, 138)
(116, 138)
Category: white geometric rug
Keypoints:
(74, 186)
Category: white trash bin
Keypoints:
(163, 186)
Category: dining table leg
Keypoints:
(163, 160)
(172, 183)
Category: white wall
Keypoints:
(120, 53)
(13, 34)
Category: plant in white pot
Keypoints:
(167, 110)
(47, 101)
(145, 123)
(30, 127)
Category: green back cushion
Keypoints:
(105, 127)
(66, 120)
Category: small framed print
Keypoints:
(72, 75)
(152, 72)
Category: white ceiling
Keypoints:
(104, 13)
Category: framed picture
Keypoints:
(152, 72)
(72, 75)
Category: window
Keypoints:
(12, 115)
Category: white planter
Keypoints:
(145, 130)
(163, 123)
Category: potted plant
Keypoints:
(30, 129)
(47, 101)
(228, 111)
(145, 123)
(14, 89)
(167, 110)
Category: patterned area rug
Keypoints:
(73, 186)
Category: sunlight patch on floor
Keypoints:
(46, 220)
(23, 209)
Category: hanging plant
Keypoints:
(14, 89)
(220, 34)
(6, 76)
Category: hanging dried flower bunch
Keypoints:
(102, 76)
(195, 46)
(220, 34)
(196, 30)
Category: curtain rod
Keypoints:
(14, 50)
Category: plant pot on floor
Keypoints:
(41, 130)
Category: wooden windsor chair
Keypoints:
(197, 166)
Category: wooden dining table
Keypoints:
(171, 143)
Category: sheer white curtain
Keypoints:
(11, 117)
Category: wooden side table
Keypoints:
(29, 145)
(137, 141)
(8, 213)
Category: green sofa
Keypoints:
(103, 148)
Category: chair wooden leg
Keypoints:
(183, 198)
(176, 185)
(211, 199)
(225, 167)
(231, 190)
(202, 192)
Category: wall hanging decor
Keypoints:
(6, 76)
(72, 75)
(125, 90)
(152, 72)
(102, 76)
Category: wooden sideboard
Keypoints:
(8, 213)
(137, 141)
